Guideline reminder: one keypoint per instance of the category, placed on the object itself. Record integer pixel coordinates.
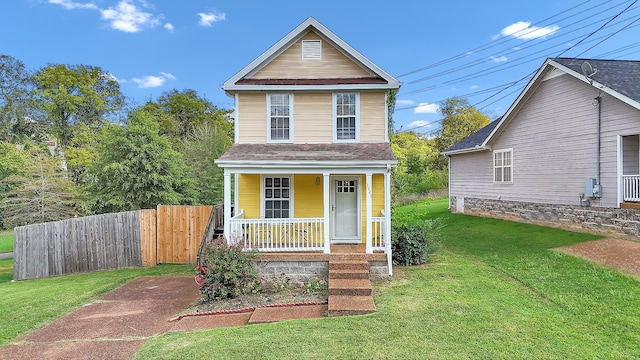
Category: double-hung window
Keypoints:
(503, 166)
(280, 117)
(346, 118)
(277, 197)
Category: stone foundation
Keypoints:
(596, 220)
(303, 271)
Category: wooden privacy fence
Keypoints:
(169, 234)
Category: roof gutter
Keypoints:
(467, 150)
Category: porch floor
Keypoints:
(338, 251)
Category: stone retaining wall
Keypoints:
(597, 220)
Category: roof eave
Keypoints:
(234, 88)
(465, 151)
(310, 164)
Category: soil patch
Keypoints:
(265, 297)
(623, 255)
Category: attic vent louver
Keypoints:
(311, 49)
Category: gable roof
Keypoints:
(618, 78)
(380, 79)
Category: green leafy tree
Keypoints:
(460, 120)
(40, 193)
(136, 168)
(415, 173)
(15, 85)
(81, 152)
(205, 144)
(75, 94)
(180, 113)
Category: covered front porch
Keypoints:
(629, 171)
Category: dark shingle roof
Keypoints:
(356, 152)
(475, 139)
(622, 76)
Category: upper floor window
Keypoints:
(346, 122)
(503, 166)
(280, 122)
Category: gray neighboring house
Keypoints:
(566, 153)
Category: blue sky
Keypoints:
(443, 49)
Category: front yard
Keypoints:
(495, 290)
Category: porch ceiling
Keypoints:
(318, 154)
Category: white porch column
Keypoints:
(387, 217)
(327, 211)
(227, 205)
(368, 235)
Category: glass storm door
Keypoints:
(346, 219)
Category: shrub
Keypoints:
(226, 271)
(412, 243)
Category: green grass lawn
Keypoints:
(495, 290)
(6, 243)
(30, 304)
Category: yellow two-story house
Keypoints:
(311, 161)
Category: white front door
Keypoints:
(345, 209)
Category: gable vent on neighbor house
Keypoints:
(311, 49)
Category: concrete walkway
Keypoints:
(8, 255)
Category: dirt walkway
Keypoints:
(113, 327)
(623, 255)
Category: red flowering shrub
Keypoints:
(226, 271)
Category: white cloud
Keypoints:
(128, 18)
(426, 108)
(209, 18)
(151, 81)
(404, 102)
(70, 5)
(419, 124)
(473, 87)
(524, 30)
(168, 26)
(167, 75)
(498, 59)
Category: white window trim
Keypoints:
(334, 116)
(493, 165)
(269, 140)
(313, 55)
(263, 199)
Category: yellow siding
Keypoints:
(289, 64)
(377, 200)
(307, 198)
(312, 117)
(249, 195)
(252, 117)
(372, 116)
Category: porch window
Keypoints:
(503, 166)
(277, 197)
(280, 108)
(346, 106)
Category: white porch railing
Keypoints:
(631, 187)
(288, 234)
(377, 234)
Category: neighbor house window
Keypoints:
(277, 197)
(503, 166)
(346, 116)
(280, 107)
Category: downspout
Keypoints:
(599, 104)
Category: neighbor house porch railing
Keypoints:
(631, 188)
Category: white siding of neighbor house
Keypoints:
(553, 137)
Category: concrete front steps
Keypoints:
(350, 291)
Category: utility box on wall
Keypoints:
(592, 189)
